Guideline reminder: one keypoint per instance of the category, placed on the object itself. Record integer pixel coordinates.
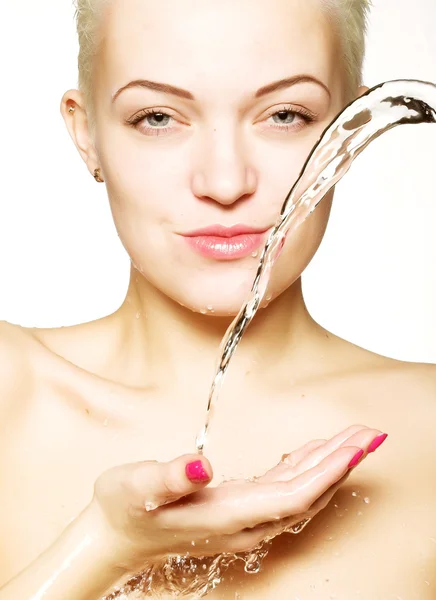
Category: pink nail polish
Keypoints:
(196, 473)
(356, 459)
(377, 442)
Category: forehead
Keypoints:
(193, 43)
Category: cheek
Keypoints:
(145, 199)
(143, 177)
(300, 248)
(284, 167)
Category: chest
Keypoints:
(54, 451)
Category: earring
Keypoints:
(71, 109)
(97, 176)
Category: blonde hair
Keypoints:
(349, 17)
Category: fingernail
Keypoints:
(356, 459)
(377, 442)
(196, 473)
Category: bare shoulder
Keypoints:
(15, 364)
(405, 392)
(401, 397)
(403, 378)
(420, 374)
(411, 390)
(348, 359)
(414, 385)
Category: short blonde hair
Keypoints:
(350, 18)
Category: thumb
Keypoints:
(177, 478)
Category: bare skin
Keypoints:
(132, 387)
(377, 550)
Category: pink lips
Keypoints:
(226, 243)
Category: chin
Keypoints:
(221, 296)
(212, 292)
(223, 306)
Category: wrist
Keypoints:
(79, 565)
(101, 540)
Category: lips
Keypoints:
(226, 243)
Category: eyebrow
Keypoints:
(176, 91)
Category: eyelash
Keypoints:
(306, 115)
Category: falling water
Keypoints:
(382, 108)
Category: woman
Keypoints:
(193, 138)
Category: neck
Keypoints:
(167, 345)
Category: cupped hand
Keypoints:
(152, 510)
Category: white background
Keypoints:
(372, 282)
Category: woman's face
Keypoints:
(227, 142)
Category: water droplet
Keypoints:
(192, 543)
(366, 500)
(269, 298)
(206, 541)
(354, 494)
(359, 514)
(138, 314)
(203, 311)
(149, 506)
(255, 254)
(298, 527)
(252, 566)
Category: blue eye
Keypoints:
(157, 119)
(285, 117)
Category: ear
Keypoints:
(77, 123)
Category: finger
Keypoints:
(294, 457)
(360, 438)
(161, 483)
(281, 472)
(290, 460)
(324, 500)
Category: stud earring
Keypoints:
(71, 109)
(97, 176)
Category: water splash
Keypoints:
(382, 108)
(193, 578)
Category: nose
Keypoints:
(223, 173)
